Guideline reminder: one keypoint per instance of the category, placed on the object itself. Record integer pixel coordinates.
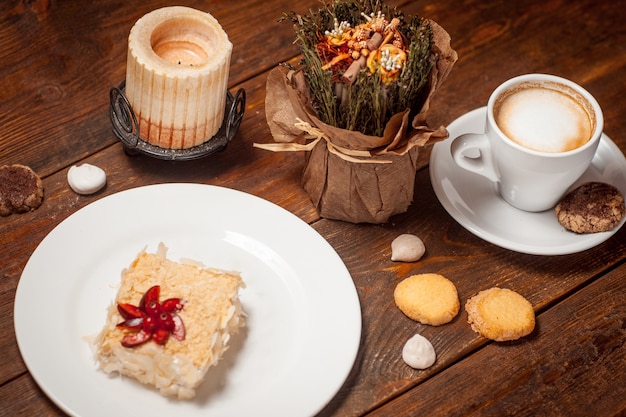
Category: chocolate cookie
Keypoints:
(21, 189)
(593, 207)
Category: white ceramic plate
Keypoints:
(474, 202)
(304, 318)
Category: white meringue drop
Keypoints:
(86, 178)
(418, 352)
(407, 248)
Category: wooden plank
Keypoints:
(471, 263)
(572, 365)
(495, 40)
(23, 398)
(56, 71)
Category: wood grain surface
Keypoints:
(58, 60)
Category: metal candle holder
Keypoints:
(126, 128)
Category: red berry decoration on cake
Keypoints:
(152, 320)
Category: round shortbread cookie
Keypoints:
(500, 314)
(593, 207)
(427, 298)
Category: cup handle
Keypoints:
(471, 152)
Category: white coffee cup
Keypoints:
(553, 128)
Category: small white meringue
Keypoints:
(86, 178)
(407, 248)
(418, 352)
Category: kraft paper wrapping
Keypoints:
(348, 175)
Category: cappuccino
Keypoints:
(545, 117)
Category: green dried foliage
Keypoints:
(369, 103)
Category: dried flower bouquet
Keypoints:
(358, 105)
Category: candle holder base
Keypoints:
(126, 128)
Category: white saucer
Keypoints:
(473, 201)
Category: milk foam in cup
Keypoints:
(546, 117)
(541, 133)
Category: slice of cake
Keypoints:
(170, 323)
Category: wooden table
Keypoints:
(60, 58)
